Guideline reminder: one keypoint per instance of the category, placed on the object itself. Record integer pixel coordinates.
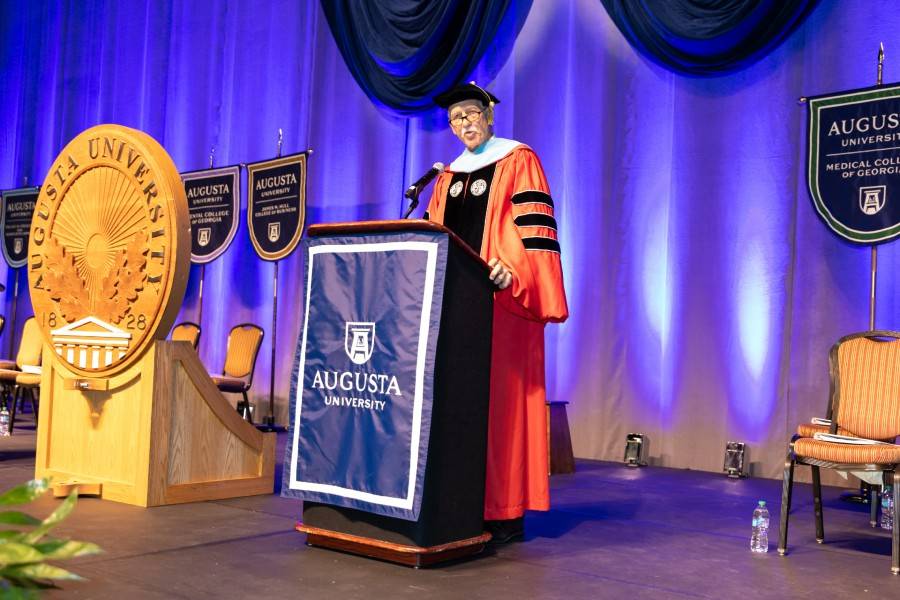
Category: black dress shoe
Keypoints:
(506, 530)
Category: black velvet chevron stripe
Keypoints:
(532, 196)
(540, 243)
(536, 220)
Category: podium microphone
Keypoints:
(413, 191)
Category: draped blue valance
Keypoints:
(403, 52)
(707, 37)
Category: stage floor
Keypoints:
(613, 532)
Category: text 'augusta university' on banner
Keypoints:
(365, 387)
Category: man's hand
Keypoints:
(500, 274)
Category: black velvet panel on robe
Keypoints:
(465, 212)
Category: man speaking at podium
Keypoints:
(496, 198)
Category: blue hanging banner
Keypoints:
(362, 396)
(276, 204)
(18, 208)
(854, 162)
(214, 202)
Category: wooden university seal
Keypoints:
(108, 257)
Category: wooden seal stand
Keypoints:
(128, 416)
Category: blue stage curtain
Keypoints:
(403, 52)
(707, 37)
(704, 291)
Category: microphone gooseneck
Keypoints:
(413, 191)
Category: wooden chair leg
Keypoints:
(12, 412)
(247, 414)
(873, 505)
(34, 395)
(817, 504)
(787, 487)
(895, 530)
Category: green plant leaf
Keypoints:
(42, 571)
(58, 515)
(15, 553)
(23, 553)
(22, 494)
(14, 517)
(61, 549)
(49, 545)
(17, 593)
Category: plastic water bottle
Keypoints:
(759, 539)
(4, 421)
(887, 507)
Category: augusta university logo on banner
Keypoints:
(364, 390)
(854, 162)
(214, 202)
(359, 341)
(18, 208)
(276, 205)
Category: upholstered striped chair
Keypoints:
(28, 381)
(244, 341)
(27, 359)
(866, 404)
(186, 331)
(808, 430)
(6, 363)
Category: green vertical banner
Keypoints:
(854, 162)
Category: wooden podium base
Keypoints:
(158, 433)
(411, 556)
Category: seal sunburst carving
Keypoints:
(107, 263)
(104, 216)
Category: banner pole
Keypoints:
(12, 328)
(269, 419)
(15, 302)
(874, 253)
(268, 422)
(212, 154)
(863, 496)
(200, 296)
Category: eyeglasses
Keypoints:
(470, 116)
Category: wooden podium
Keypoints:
(450, 521)
(124, 414)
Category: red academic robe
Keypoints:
(520, 230)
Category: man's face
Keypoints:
(468, 122)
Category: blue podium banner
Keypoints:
(363, 386)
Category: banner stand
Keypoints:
(268, 422)
(276, 209)
(17, 212)
(214, 206)
(15, 302)
(863, 496)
